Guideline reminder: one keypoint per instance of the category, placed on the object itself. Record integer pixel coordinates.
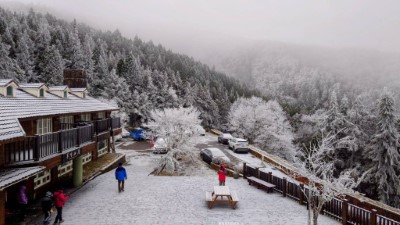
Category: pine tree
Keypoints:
(24, 58)
(8, 67)
(76, 57)
(384, 170)
(52, 66)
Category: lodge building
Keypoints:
(48, 133)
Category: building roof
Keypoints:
(78, 89)
(11, 176)
(4, 82)
(58, 88)
(31, 85)
(25, 105)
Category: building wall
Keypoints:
(2, 155)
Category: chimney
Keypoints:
(75, 78)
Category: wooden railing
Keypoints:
(115, 123)
(85, 134)
(102, 125)
(337, 209)
(34, 148)
(19, 151)
(68, 139)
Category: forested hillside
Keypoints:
(331, 93)
(138, 75)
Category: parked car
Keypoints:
(238, 145)
(224, 138)
(214, 155)
(138, 134)
(200, 130)
(160, 146)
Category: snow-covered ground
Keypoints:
(175, 200)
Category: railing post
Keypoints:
(284, 187)
(257, 173)
(78, 139)
(36, 148)
(244, 171)
(345, 209)
(301, 197)
(269, 177)
(60, 142)
(372, 220)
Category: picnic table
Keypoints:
(221, 194)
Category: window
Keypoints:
(86, 158)
(101, 115)
(66, 122)
(65, 168)
(44, 126)
(41, 92)
(102, 147)
(85, 117)
(10, 91)
(42, 179)
(65, 94)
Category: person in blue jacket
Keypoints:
(120, 175)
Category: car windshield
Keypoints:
(243, 142)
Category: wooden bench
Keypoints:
(209, 199)
(235, 199)
(261, 184)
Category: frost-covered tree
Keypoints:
(176, 126)
(384, 167)
(24, 58)
(322, 185)
(264, 124)
(8, 66)
(52, 66)
(76, 56)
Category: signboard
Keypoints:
(71, 155)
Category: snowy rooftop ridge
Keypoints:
(31, 85)
(78, 89)
(25, 105)
(4, 82)
(58, 88)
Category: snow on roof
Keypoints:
(58, 88)
(78, 89)
(4, 82)
(9, 177)
(31, 85)
(25, 105)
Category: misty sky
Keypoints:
(191, 27)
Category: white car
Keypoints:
(238, 145)
(160, 146)
(200, 130)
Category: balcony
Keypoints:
(72, 136)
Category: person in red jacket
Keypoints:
(59, 200)
(222, 175)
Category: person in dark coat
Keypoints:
(47, 204)
(59, 199)
(120, 175)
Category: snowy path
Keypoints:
(175, 200)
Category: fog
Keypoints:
(196, 27)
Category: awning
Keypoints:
(11, 176)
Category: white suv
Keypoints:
(238, 145)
